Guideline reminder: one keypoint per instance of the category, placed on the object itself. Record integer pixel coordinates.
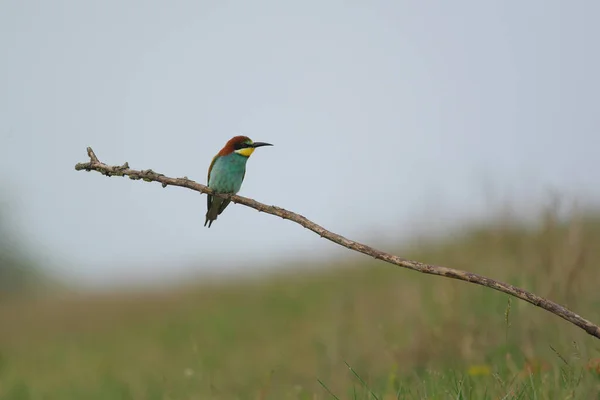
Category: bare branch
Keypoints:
(151, 176)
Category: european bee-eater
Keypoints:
(226, 173)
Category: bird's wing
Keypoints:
(210, 167)
(209, 198)
(224, 204)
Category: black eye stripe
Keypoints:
(239, 146)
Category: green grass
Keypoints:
(365, 330)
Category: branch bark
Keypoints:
(150, 176)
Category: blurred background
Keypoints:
(460, 133)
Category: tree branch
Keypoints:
(151, 176)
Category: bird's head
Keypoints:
(241, 145)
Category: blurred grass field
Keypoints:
(361, 330)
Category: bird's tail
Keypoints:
(213, 211)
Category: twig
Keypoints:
(151, 176)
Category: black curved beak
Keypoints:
(260, 144)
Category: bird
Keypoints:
(227, 171)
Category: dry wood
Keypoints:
(150, 176)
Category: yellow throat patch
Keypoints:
(246, 152)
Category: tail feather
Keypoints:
(216, 205)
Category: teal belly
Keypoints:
(227, 173)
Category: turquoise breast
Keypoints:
(227, 173)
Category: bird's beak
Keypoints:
(260, 144)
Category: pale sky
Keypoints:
(383, 115)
